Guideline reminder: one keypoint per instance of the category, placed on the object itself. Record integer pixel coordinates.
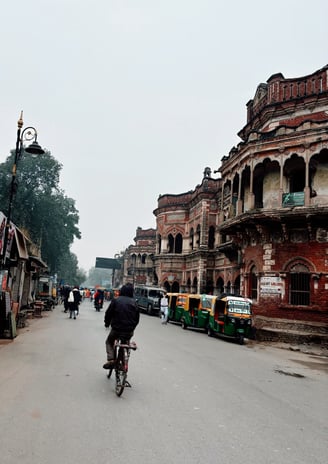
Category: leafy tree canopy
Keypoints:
(42, 208)
(68, 271)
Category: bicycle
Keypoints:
(122, 351)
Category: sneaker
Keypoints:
(109, 364)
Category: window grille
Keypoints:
(300, 289)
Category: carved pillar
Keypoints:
(251, 203)
(281, 190)
(307, 176)
(239, 205)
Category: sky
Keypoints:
(136, 97)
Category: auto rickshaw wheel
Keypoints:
(241, 339)
(209, 332)
(183, 324)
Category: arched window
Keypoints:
(170, 244)
(211, 237)
(299, 285)
(178, 244)
(143, 259)
(253, 283)
(220, 286)
(192, 238)
(209, 287)
(198, 236)
(175, 287)
(194, 285)
(174, 243)
(159, 243)
(237, 286)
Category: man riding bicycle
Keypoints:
(123, 316)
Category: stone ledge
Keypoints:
(273, 334)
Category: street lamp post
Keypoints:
(28, 134)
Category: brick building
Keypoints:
(274, 203)
(138, 262)
(261, 228)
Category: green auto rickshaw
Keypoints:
(231, 316)
(196, 311)
(176, 306)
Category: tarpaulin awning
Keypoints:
(21, 244)
(38, 261)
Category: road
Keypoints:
(194, 399)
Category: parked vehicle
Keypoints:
(231, 316)
(148, 298)
(196, 310)
(176, 303)
(47, 292)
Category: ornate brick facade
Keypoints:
(138, 262)
(261, 228)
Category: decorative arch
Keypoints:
(298, 262)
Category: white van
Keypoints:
(148, 298)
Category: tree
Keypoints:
(68, 271)
(42, 208)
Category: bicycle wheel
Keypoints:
(120, 372)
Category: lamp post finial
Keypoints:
(20, 121)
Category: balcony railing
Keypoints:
(292, 199)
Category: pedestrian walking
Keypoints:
(164, 309)
(65, 295)
(74, 300)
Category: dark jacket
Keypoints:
(77, 299)
(77, 295)
(122, 314)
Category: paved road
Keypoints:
(194, 399)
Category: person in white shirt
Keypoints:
(164, 309)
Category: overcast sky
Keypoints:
(136, 97)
